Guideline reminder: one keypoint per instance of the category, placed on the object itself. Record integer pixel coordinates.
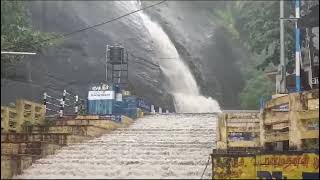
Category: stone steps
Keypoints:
(159, 146)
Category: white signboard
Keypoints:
(100, 95)
(102, 87)
(118, 97)
(315, 80)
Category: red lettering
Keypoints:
(241, 163)
(274, 161)
(282, 162)
(305, 161)
(316, 163)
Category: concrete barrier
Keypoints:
(289, 120)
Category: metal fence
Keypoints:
(68, 104)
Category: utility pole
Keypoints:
(107, 49)
(282, 56)
(298, 51)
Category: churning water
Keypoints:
(174, 146)
(182, 84)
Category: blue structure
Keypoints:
(100, 99)
(129, 106)
(100, 107)
(145, 105)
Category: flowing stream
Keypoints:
(182, 84)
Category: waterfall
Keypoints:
(182, 84)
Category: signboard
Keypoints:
(281, 108)
(102, 87)
(315, 80)
(312, 124)
(100, 95)
(118, 97)
(291, 165)
(240, 136)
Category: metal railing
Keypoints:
(59, 105)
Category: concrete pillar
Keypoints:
(294, 127)
(262, 129)
(152, 109)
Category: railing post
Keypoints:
(61, 107)
(76, 104)
(45, 99)
(64, 94)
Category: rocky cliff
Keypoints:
(79, 60)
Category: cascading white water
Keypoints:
(172, 146)
(182, 84)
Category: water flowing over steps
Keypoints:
(157, 146)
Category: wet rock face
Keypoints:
(154, 147)
(206, 48)
(79, 61)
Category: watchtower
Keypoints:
(117, 65)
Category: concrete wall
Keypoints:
(24, 111)
(236, 122)
(287, 118)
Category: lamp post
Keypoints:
(282, 57)
(297, 45)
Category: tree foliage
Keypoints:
(255, 88)
(256, 25)
(17, 33)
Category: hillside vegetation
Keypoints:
(256, 26)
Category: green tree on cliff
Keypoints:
(256, 25)
(17, 33)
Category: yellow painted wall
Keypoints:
(289, 166)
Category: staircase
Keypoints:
(157, 146)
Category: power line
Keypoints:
(99, 24)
